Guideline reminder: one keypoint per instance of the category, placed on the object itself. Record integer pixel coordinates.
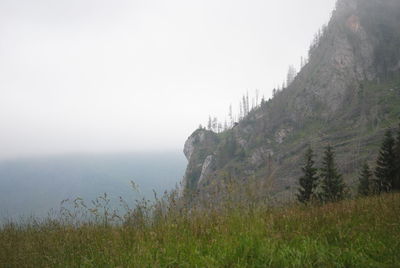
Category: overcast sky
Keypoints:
(129, 75)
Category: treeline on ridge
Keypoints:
(326, 184)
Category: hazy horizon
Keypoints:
(85, 76)
(34, 186)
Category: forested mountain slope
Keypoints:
(346, 95)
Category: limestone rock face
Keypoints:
(343, 56)
(333, 99)
(261, 156)
(197, 138)
(198, 150)
(281, 134)
(206, 169)
(189, 147)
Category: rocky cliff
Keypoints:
(346, 95)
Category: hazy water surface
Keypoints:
(34, 186)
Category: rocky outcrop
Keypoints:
(189, 147)
(198, 150)
(336, 96)
(261, 156)
(199, 137)
(281, 134)
(342, 56)
(207, 169)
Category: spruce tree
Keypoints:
(332, 184)
(364, 187)
(385, 170)
(209, 124)
(308, 182)
(396, 185)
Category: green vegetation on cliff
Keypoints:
(346, 95)
(250, 151)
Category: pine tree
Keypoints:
(262, 101)
(240, 111)
(219, 127)
(302, 62)
(308, 182)
(291, 75)
(396, 185)
(364, 187)
(209, 124)
(332, 184)
(257, 97)
(247, 103)
(244, 106)
(231, 121)
(214, 124)
(385, 170)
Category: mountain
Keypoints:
(346, 95)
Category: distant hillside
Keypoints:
(346, 95)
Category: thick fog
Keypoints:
(128, 75)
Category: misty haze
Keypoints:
(120, 77)
(110, 76)
(213, 133)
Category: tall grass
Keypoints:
(167, 233)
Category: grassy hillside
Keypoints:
(353, 233)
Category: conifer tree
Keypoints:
(332, 184)
(291, 75)
(214, 125)
(231, 121)
(247, 103)
(396, 185)
(308, 182)
(240, 111)
(209, 124)
(364, 186)
(385, 170)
